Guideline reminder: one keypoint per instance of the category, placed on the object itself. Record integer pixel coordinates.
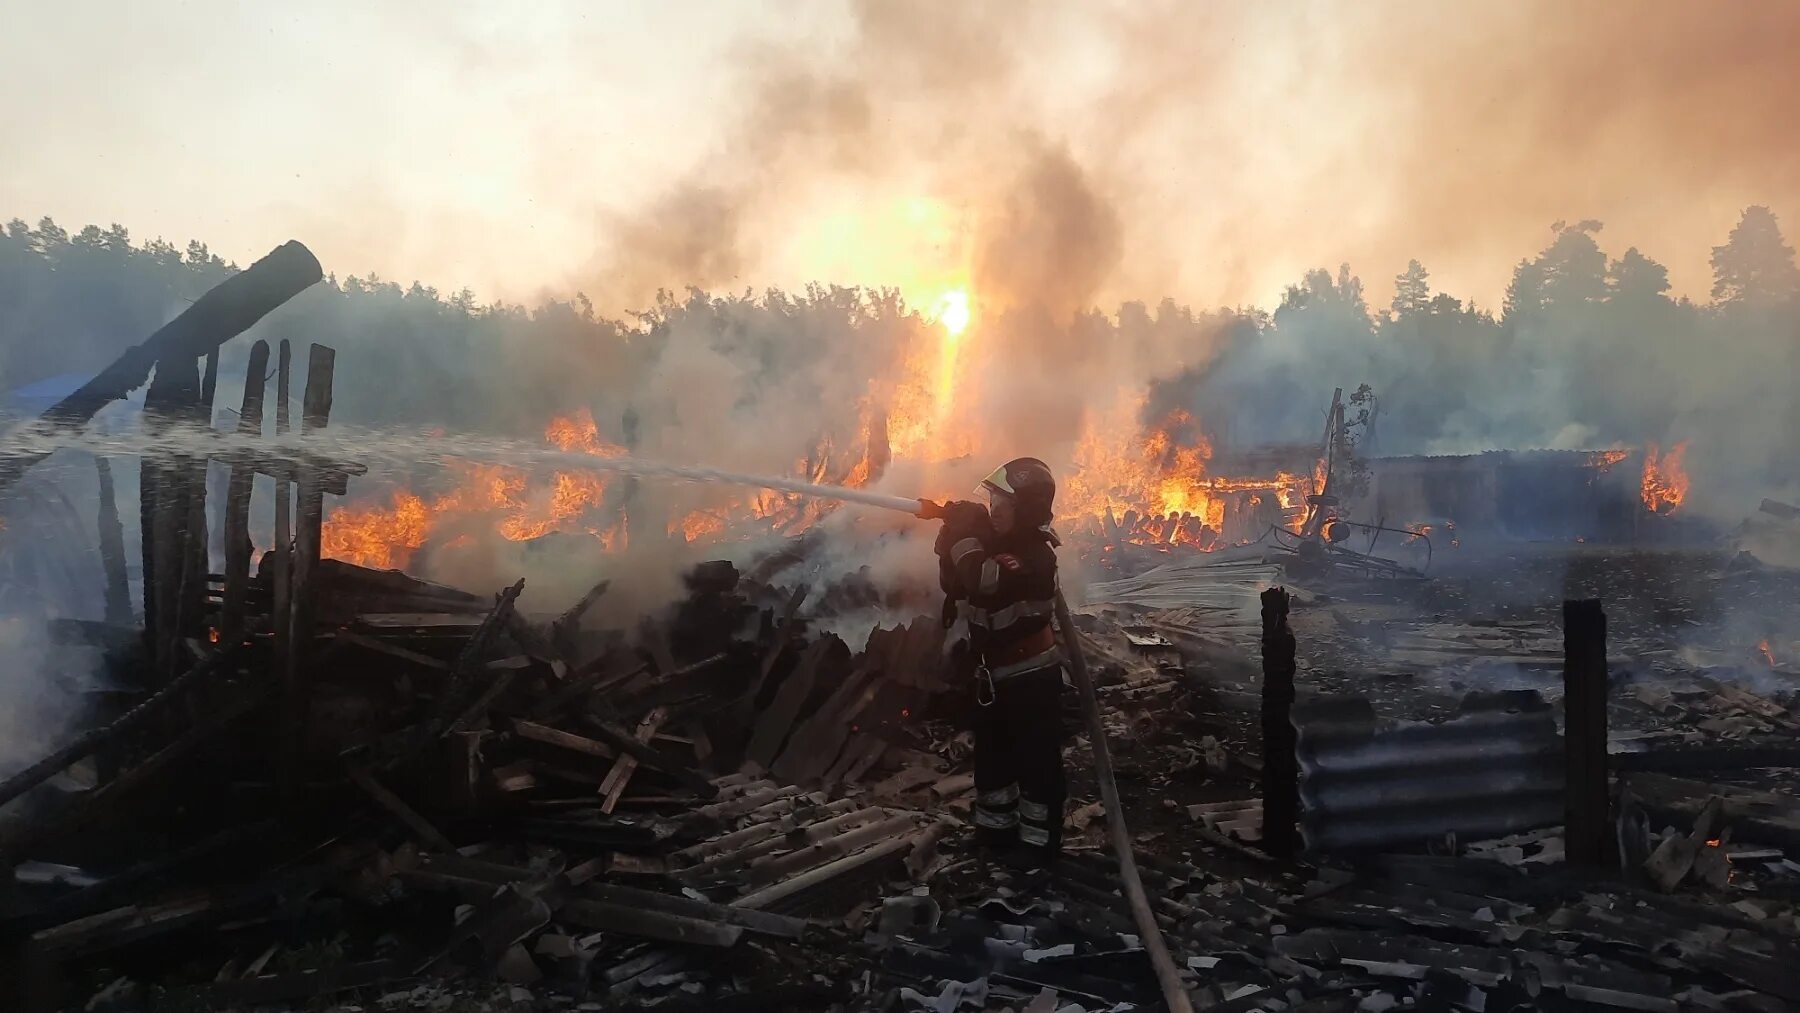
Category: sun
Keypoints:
(953, 311)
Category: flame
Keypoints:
(925, 396)
(954, 312)
(518, 508)
(1665, 481)
(1157, 490)
(1603, 460)
(1715, 842)
(1768, 655)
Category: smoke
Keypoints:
(49, 569)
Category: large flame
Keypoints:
(1151, 485)
(1665, 480)
(507, 499)
(924, 399)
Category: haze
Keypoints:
(530, 150)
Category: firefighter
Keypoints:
(997, 567)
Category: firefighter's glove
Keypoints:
(963, 519)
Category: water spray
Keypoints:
(395, 450)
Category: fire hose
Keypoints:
(1168, 978)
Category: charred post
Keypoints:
(196, 560)
(224, 312)
(237, 501)
(1586, 788)
(112, 549)
(163, 509)
(315, 414)
(1281, 766)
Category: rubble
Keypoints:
(327, 786)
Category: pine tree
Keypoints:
(1412, 290)
(1755, 266)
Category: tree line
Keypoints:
(1587, 349)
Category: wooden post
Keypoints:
(315, 413)
(169, 401)
(225, 311)
(281, 585)
(1281, 766)
(112, 549)
(237, 501)
(195, 560)
(1586, 791)
(282, 569)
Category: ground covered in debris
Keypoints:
(727, 810)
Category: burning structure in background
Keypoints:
(1004, 234)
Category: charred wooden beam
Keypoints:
(562, 631)
(112, 549)
(583, 683)
(613, 785)
(269, 989)
(225, 311)
(162, 491)
(761, 922)
(237, 502)
(889, 850)
(407, 815)
(1281, 765)
(46, 768)
(636, 920)
(683, 774)
(281, 580)
(196, 560)
(1586, 791)
(98, 801)
(308, 538)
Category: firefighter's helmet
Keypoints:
(1028, 483)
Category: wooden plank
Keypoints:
(594, 677)
(308, 536)
(817, 745)
(682, 773)
(784, 634)
(379, 646)
(237, 502)
(88, 742)
(421, 828)
(777, 892)
(265, 990)
(479, 707)
(281, 584)
(421, 620)
(613, 786)
(162, 510)
(1587, 785)
(224, 311)
(633, 920)
(1281, 765)
(112, 549)
(777, 719)
(535, 732)
(760, 922)
(827, 844)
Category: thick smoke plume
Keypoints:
(1057, 165)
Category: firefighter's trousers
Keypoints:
(1019, 783)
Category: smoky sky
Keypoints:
(620, 148)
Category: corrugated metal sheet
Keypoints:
(1495, 769)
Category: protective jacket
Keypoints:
(1004, 586)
